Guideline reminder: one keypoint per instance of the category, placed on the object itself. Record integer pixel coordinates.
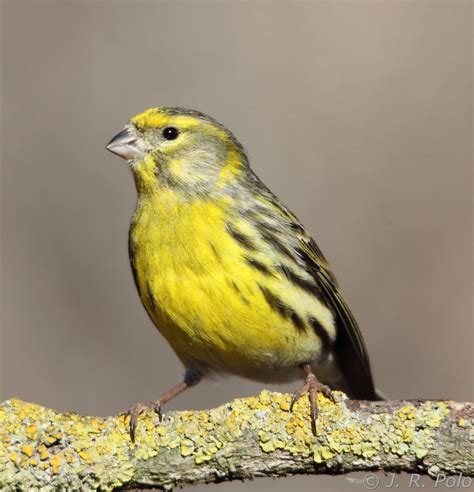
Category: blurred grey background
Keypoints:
(357, 114)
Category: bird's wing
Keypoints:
(349, 347)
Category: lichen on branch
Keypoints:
(248, 437)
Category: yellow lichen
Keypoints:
(84, 455)
(27, 449)
(187, 447)
(32, 432)
(285, 406)
(58, 445)
(55, 462)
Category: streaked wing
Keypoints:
(349, 347)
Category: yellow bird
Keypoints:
(227, 273)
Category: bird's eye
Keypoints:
(170, 133)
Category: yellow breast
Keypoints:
(201, 294)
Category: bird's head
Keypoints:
(179, 148)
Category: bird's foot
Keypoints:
(136, 410)
(312, 386)
(191, 378)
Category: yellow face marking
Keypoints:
(144, 174)
(155, 118)
(176, 167)
(194, 133)
(232, 168)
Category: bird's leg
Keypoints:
(190, 379)
(311, 386)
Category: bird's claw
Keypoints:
(312, 386)
(136, 410)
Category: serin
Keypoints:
(227, 273)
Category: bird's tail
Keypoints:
(380, 396)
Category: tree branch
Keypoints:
(249, 437)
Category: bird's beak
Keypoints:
(126, 144)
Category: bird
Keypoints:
(227, 273)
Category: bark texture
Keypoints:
(249, 437)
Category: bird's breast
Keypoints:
(204, 297)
